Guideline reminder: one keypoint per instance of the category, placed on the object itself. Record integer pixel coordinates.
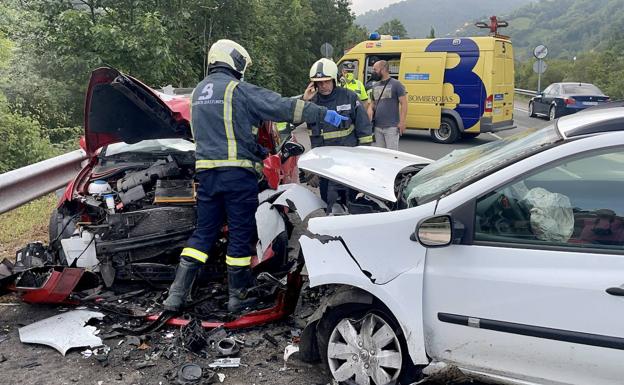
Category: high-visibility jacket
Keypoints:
(356, 130)
(223, 112)
(357, 87)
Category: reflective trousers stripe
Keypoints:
(195, 254)
(237, 261)
(206, 164)
(365, 139)
(298, 114)
(227, 120)
(338, 134)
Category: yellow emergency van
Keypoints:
(456, 87)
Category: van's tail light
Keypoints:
(569, 101)
(488, 103)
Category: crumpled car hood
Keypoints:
(119, 108)
(371, 170)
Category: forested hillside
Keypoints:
(567, 27)
(445, 16)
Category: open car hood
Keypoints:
(119, 108)
(371, 170)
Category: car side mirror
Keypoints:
(290, 149)
(438, 231)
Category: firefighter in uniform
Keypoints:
(228, 159)
(349, 81)
(355, 130)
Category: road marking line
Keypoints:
(494, 135)
(521, 109)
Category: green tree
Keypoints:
(393, 27)
(431, 33)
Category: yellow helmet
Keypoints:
(324, 69)
(231, 54)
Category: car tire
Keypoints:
(365, 320)
(552, 113)
(447, 133)
(532, 110)
(470, 135)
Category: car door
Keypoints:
(549, 97)
(533, 290)
(538, 101)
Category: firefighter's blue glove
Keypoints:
(334, 118)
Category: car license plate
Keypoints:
(590, 103)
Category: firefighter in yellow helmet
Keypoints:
(355, 130)
(224, 108)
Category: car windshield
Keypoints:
(584, 89)
(461, 166)
(149, 146)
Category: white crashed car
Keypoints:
(507, 263)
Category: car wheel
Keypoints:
(364, 344)
(552, 113)
(447, 133)
(531, 110)
(470, 135)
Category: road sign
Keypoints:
(327, 50)
(540, 52)
(539, 67)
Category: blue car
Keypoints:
(559, 99)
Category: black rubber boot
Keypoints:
(185, 274)
(240, 280)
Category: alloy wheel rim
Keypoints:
(443, 132)
(552, 113)
(367, 351)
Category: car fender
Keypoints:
(374, 253)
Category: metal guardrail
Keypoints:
(525, 92)
(20, 186)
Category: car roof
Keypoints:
(601, 119)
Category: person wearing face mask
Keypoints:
(388, 107)
(356, 130)
(349, 81)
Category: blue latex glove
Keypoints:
(334, 118)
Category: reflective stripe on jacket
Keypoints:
(223, 112)
(356, 130)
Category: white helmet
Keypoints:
(324, 69)
(230, 54)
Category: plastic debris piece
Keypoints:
(189, 373)
(63, 331)
(143, 346)
(221, 377)
(2, 358)
(133, 340)
(86, 353)
(270, 338)
(225, 363)
(143, 364)
(227, 347)
(289, 351)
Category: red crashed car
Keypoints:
(128, 213)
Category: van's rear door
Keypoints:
(422, 74)
(502, 82)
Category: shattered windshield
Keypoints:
(461, 166)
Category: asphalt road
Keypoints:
(419, 142)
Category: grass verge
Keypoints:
(25, 224)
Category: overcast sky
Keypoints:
(361, 6)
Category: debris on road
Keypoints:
(63, 331)
(227, 347)
(270, 338)
(225, 363)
